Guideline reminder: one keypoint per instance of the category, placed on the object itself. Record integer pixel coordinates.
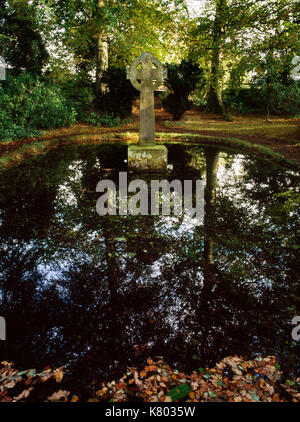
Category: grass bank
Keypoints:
(42, 146)
(283, 129)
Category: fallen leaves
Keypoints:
(231, 380)
(143, 374)
(12, 380)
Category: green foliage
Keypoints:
(120, 96)
(132, 26)
(273, 97)
(292, 200)
(16, 132)
(279, 98)
(72, 29)
(198, 99)
(22, 44)
(106, 120)
(231, 55)
(92, 119)
(28, 104)
(227, 116)
(176, 105)
(182, 80)
(244, 100)
(79, 91)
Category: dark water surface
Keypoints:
(100, 293)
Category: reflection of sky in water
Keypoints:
(228, 182)
(65, 193)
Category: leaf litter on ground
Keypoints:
(231, 380)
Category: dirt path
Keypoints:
(286, 149)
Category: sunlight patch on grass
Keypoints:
(285, 130)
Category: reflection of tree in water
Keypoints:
(19, 202)
(90, 294)
(212, 157)
(26, 304)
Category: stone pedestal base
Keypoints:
(147, 158)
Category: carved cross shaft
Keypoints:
(146, 79)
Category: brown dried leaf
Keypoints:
(58, 395)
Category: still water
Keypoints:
(100, 293)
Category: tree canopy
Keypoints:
(236, 43)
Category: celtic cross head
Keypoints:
(146, 72)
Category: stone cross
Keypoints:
(146, 74)
(2, 69)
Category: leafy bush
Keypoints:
(80, 92)
(242, 101)
(17, 132)
(262, 97)
(107, 120)
(279, 98)
(92, 119)
(176, 105)
(182, 80)
(28, 104)
(120, 96)
(21, 41)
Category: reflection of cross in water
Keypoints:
(146, 79)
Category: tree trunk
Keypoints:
(102, 56)
(215, 102)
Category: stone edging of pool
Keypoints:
(39, 147)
